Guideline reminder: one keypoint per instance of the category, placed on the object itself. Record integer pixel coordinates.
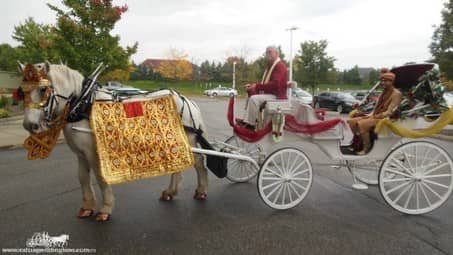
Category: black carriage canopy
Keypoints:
(408, 76)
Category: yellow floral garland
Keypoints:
(446, 118)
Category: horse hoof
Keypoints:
(200, 196)
(166, 197)
(85, 213)
(102, 217)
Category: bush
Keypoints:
(3, 113)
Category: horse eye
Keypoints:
(42, 90)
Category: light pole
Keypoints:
(234, 74)
(291, 29)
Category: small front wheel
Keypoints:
(285, 178)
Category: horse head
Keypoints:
(46, 89)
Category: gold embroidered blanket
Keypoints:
(138, 140)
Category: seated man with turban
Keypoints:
(272, 86)
(387, 102)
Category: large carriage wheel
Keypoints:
(416, 177)
(240, 170)
(285, 178)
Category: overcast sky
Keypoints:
(368, 33)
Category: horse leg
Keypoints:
(172, 190)
(201, 192)
(108, 200)
(89, 199)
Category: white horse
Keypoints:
(66, 81)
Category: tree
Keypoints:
(36, 42)
(177, 67)
(442, 44)
(8, 57)
(312, 64)
(82, 35)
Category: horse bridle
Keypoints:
(37, 80)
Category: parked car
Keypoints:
(359, 94)
(337, 101)
(221, 91)
(448, 96)
(302, 95)
(121, 89)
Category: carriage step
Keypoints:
(359, 186)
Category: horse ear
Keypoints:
(47, 66)
(20, 67)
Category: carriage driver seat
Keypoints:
(276, 106)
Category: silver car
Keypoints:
(302, 95)
(221, 91)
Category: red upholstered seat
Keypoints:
(245, 134)
(291, 125)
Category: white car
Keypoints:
(302, 95)
(448, 96)
(221, 91)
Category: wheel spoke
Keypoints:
(437, 176)
(402, 166)
(294, 189)
(282, 160)
(398, 172)
(396, 180)
(271, 178)
(299, 179)
(284, 193)
(434, 158)
(300, 186)
(408, 162)
(397, 187)
(402, 193)
(278, 167)
(430, 189)
(298, 166)
(417, 191)
(272, 171)
(289, 193)
(271, 185)
(436, 184)
(424, 194)
(273, 191)
(411, 192)
(436, 168)
(282, 187)
(301, 172)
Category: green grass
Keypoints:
(195, 88)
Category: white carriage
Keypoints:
(414, 176)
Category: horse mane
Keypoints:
(65, 79)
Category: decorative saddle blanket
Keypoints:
(141, 139)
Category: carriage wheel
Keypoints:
(285, 178)
(416, 177)
(240, 170)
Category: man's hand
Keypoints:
(250, 86)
